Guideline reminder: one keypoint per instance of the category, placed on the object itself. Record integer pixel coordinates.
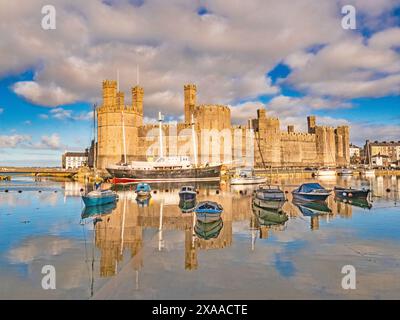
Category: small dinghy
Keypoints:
(345, 172)
(187, 193)
(99, 197)
(311, 192)
(208, 209)
(246, 176)
(143, 190)
(269, 197)
(351, 193)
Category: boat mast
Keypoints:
(123, 122)
(194, 142)
(94, 138)
(160, 120)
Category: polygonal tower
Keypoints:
(190, 92)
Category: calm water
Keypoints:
(152, 251)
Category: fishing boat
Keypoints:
(311, 192)
(312, 208)
(356, 202)
(345, 172)
(269, 217)
(143, 190)
(247, 176)
(350, 192)
(187, 193)
(93, 211)
(208, 230)
(325, 172)
(99, 197)
(269, 197)
(187, 206)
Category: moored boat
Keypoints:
(187, 193)
(311, 192)
(187, 206)
(247, 176)
(368, 172)
(325, 172)
(208, 230)
(350, 192)
(99, 197)
(164, 169)
(143, 190)
(345, 172)
(269, 197)
(208, 209)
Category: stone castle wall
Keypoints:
(261, 137)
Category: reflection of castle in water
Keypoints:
(122, 230)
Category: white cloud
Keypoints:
(14, 140)
(52, 142)
(64, 114)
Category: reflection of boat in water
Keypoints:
(208, 230)
(357, 202)
(312, 208)
(99, 197)
(269, 217)
(143, 201)
(311, 192)
(351, 193)
(93, 211)
(269, 197)
(187, 206)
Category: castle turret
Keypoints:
(137, 99)
(109, 93)
(311, 124)
(190, 92)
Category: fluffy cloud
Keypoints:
(64, 114)
(52, 142)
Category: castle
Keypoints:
(260, 142)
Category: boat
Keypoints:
(208, 230)
(269, 197)
(208, 210)
(143, 201)
(163, 169)
(187, 193)
(94, 211)
(143, 190)
(312, 208)
(325, 172)
(99, 197)
(350, 192)
(368, 172)
(311, 192)
(187, 206)
(356, 202)
(345, 172)
(269, 217)
(247, 176)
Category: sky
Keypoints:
(292, 58)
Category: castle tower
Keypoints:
(110, 117)
(190, 92)
(311, 124)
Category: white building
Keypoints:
(74, 160)
(355, 152)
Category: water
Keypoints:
(152, 252)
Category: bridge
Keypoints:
(37, 171)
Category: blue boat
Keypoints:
(208, 210)
(311, 192)
(143, 190)
(99, 197)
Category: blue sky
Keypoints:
(292, 59)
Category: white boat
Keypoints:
(246, 176)
(345, 172)
(325, 172)
(368, 173)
